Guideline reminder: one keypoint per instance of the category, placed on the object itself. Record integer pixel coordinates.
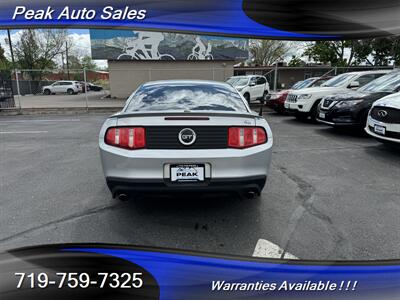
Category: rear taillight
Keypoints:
(126, 137)
(244, 137)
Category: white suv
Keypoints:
(384, 119)
(303, 103)
(252, 87)
(69, 87)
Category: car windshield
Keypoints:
(238, 81)
(319, 82)
(302, 84)
(186, 96)
(339, 80)
(386, 83)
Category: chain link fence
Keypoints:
(56, 88)
(109, 89)
(282, 77)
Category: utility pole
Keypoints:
(11, 48)
(63, 65)
(14, 67)
(66, 53)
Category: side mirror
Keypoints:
(354, 84)
(252, 84)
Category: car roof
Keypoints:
(186, 82)
(370, 72)
(246, 76)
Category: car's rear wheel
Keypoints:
(46, 92)
(70, 91)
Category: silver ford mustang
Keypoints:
(185, 136)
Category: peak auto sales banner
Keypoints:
(283, 19)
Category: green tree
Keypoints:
(37, 49)
(331, 52)
(4, 63)
(295, 62)
(88, 63)
(374, 52)
(74, 62)
(268, 52)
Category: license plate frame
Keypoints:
(180, 173)
(379, 129)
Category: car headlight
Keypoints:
(274, 96)
(304, 96)
(348, 103)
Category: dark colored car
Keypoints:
(351, 108)
(95, 87)
(277, 100)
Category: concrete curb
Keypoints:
(58, 110)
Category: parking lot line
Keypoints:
(23, 132)
(268, 249)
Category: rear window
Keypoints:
(194, 97)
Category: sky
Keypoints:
(80, 38)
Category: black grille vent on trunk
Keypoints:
(166, 137)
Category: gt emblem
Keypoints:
(382, 113)
(187, 136)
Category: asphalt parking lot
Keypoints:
(329, 195)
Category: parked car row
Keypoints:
(69, 87)
(277, 100)
(367, 100)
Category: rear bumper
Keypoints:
(154, 164)
(130, 186)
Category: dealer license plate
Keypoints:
(187, 173)
(380, 129)
(322, 115)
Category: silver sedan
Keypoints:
(185, 136)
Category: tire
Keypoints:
(363, 120)
(46, 92)
(247, 97)
(70, 92)
(314, 111)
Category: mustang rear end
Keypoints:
(185, 136)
